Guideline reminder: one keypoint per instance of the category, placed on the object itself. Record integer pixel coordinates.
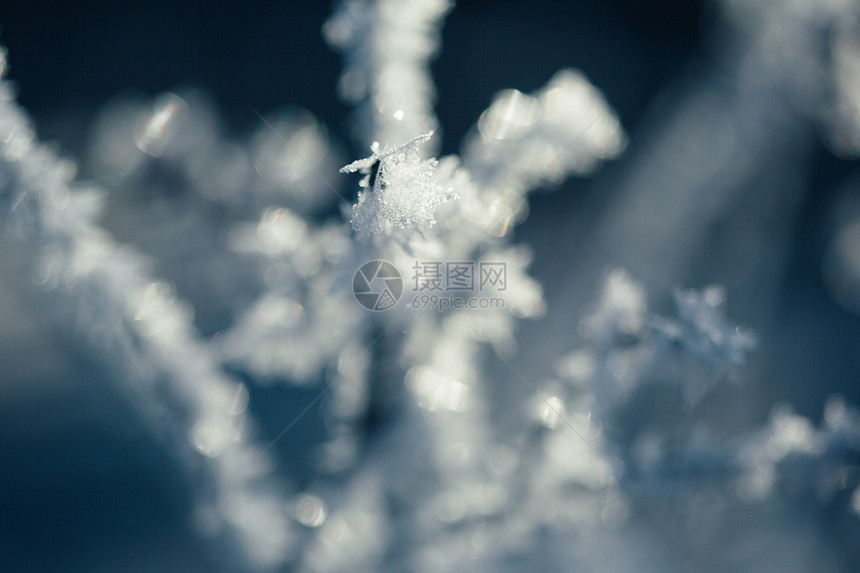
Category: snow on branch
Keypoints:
(389, 45)
(401, 191)
(141, 329)
(627, 345)
(524, 141)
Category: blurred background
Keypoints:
(85, 487)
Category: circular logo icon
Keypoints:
(377, 285)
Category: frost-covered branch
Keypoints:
(137, 326)
(388, 46)
(524, 141)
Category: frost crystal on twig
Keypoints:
(629, 345)
(401, 190)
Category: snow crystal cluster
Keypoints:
(401, 190)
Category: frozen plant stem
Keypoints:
(135, 323)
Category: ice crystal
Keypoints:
(628, 345)
(402, 191)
